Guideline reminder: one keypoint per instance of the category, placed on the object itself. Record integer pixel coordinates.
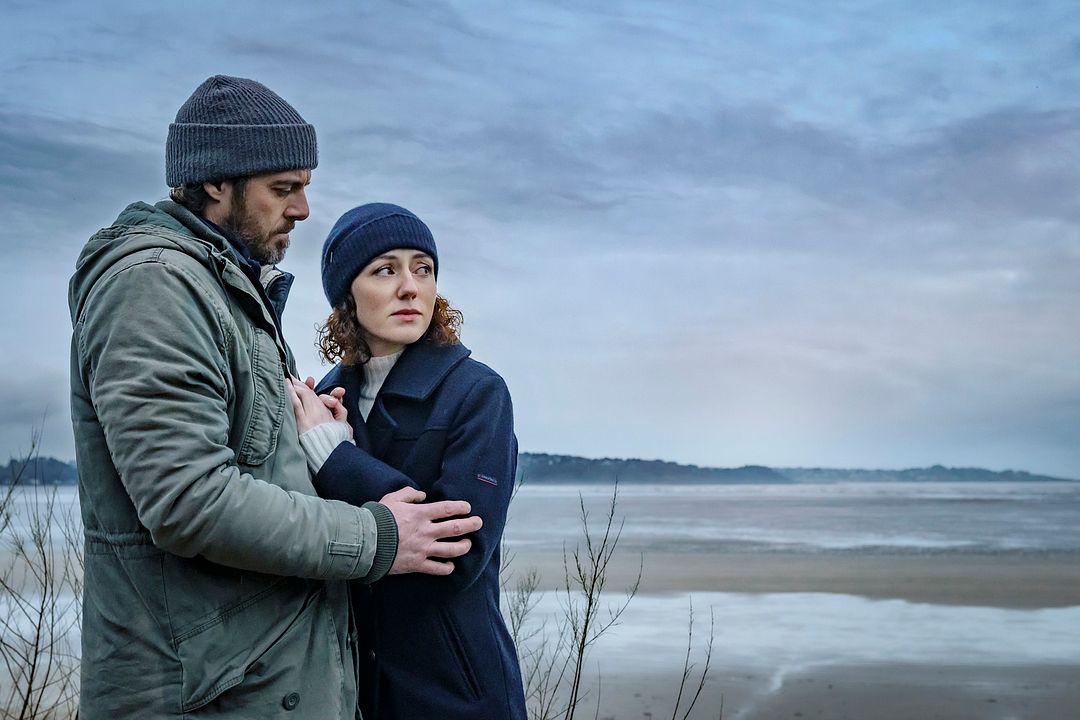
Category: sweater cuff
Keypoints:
(320, 441)
(386, 547)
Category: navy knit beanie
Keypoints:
(361, 235)
(234, 127)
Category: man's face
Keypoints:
(264, 210)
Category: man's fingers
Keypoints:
(453, 549)
(448, 508)
(310, 382)
(405, 495)
(434, 567)
(456, 527)
(338, 392)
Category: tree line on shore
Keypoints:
(536, 468)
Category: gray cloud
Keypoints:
(803, 237)
(63, 179)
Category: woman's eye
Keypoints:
(423, 270)
(384, 270)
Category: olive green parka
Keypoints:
(214, 577)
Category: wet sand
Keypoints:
(766, 688)
(878, 692)
(1007, 581)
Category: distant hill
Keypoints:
(541, 467)
(39, 471)
(545, 468)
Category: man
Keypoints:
(214, 577)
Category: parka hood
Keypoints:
(141, 226)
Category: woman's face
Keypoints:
(395, 299)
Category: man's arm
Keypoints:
(356, 477)
(153, 340)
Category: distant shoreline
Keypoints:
(545, 468)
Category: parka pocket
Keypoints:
(267, 388)
(259, 646)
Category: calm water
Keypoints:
(857, 517)
(986, 518)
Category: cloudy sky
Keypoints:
(793, 233)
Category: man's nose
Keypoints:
(297, 208)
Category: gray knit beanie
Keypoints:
(361, 235)
(234, 127)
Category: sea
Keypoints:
(916, 518)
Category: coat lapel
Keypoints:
(414, 377)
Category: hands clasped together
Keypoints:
(430, 535)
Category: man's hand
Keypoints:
(421, 529)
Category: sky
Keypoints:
(841, 234)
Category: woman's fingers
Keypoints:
(309, 409)
(335, 406)
(297, 404)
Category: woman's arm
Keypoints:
(342, 470)
(478, 466)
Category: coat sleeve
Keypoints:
(354, 476)
(479, 466)
(153, 340)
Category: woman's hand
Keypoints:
(311, 409)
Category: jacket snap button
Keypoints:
(290, 701)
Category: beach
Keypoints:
(861, 602)
(862, 692)
(1038, 581)
(860, 622)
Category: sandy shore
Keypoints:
(799, 683)
(1010, 581)
(878, 692)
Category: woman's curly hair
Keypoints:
(342, 339)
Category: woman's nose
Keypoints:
(408, 287)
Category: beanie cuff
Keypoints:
(197, 153)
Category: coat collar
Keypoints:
(421, 368)
(416, 374)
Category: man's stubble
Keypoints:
(249, 231)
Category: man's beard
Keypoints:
(259, 244)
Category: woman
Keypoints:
(423, 414)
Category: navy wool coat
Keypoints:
(433, 647)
